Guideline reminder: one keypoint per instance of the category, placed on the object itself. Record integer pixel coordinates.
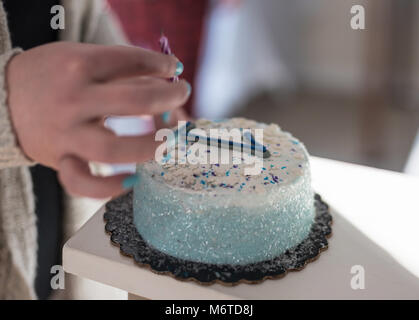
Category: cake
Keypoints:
(217, 213)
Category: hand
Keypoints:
(60, 93)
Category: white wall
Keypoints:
(279, 43)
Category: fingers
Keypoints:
(177, 115)
(112, 62)
(95, 143)
(152, 97)
(75, 176)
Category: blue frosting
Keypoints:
(215, 214)
(219, 228)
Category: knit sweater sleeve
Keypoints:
(10, 153)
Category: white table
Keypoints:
(376, 225)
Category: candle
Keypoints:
(254, 147)
(165, 48)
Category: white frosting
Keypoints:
(288, 161)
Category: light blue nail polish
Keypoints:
(130, 181)
(179, 68)
(189, 88)
(166, 117)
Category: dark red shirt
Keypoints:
(180, 20)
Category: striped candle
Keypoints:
(165, 48)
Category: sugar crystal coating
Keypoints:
(214, 213)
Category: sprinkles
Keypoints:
(286, 164)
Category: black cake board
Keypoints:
(119, 224)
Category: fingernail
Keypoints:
(179, 68)
(130, 181)
(166, 117)
(189, 88)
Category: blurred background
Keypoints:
(349, 95)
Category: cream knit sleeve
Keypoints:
(10, 153)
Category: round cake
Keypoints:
(218, 213)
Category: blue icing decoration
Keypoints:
(167, 158)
